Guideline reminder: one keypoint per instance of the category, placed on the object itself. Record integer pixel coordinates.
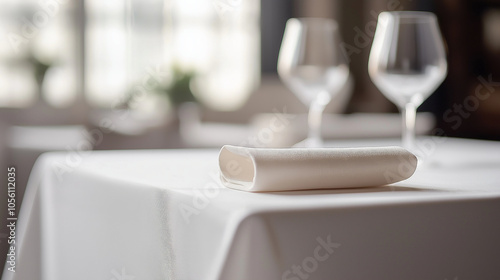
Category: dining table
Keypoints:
(164, 214)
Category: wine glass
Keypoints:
(313, 67)
(407, 63)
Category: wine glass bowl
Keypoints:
(407, 62)
(312, 66)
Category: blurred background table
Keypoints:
(163, 215)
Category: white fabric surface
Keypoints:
(151, 215)
(268, 170)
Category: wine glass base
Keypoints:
(309, 143)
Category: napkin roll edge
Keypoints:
(237, 168)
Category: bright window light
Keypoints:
(37, 33)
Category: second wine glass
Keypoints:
(313, 67)
(407, 63)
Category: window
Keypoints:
(219, 39)
(124, 39)
(39, 35)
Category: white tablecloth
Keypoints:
(151, 215)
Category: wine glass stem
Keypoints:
(409, 112)
(315, 118)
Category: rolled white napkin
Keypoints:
(268, 170)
